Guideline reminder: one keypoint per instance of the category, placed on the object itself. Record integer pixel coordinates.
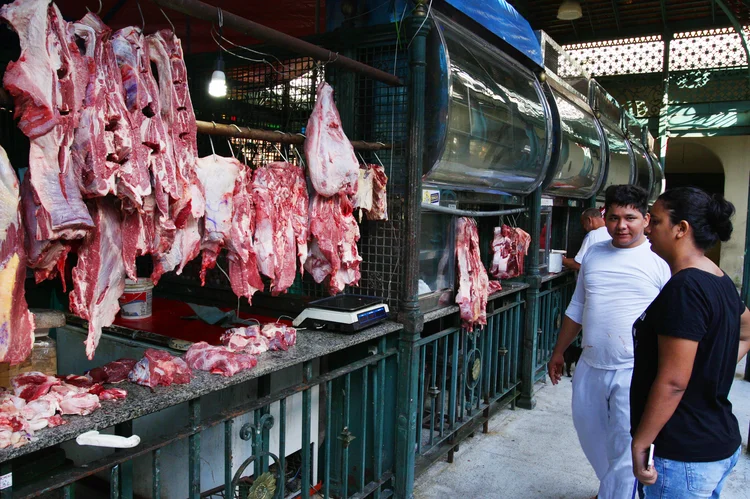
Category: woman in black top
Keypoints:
(687, 345)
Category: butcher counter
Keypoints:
(354, 372)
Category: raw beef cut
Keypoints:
(218, 176)
(113, 372)
(16, 322)
(218, 359)
(279, 335)
(76, 380)
(45, 257)
(245, 339)
(332, 166)
(281, 210)
(363, 198)
(32, 385)
(522, 248)
(243, 263)
(510, 246)
(185, 246)
(112, 394)
(494, 287)
(473, 281)
(81, 404)
(99, 276)
(48, 84)
(334, 234)
(138, 234)
(371, 194)
(158, 367)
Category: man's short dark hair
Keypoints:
(591, 213)
(627, 195)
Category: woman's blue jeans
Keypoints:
(680, 480)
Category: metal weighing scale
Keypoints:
(343, 313)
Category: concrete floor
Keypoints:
(535, 454)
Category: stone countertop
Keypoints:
(556, 275)
(141, 400)
(508, 288)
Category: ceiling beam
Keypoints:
(713, 11)
(588, 14)
(617, 14)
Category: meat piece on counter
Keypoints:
(113, 372)
(81, 404)
(218, 359)
(473, 282)
(332, 166)
(281, 210)
(16, 322)
(77, 380)
(371, 194)
(494, 287)
(245, 339)
(46, 257)
(158, 367)
(333, 250)
(112, 394)
(279, 335)
(48, 84)
(42, 408)
(33, 385)
(219, 176)
(243, 262)
(99, 277)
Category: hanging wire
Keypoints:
(276, 146)
(174, 32)
(143, 20)
(429, 8)
(230, 148)
(223, 48)
(248, 49)
(211, 140)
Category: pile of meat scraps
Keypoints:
(510, 246)
(159, 368)
(473, 282)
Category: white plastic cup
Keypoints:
(555, 261)
(136, 300)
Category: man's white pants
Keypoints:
(601, 415)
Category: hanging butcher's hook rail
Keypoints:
(468, 213)
(202, 10)
(211, 128)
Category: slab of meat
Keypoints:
(281, 210)
(46, 257)
(473, 281)
(113, 394)
(185, 246)
(113, 372)
(99, 277)
(379, 210)
(219, 176)
(158, 367)
(363, 198)
(245, 339)
(522, 248)
(334, 234)
(494, 287)
(77, 380)
(279, 335)
(16, 322)
(32, 385)
(81, 404)
(48, 84)
(218, 359)
(243, 263)
(138, 234)
(331, 163)
(510, 246)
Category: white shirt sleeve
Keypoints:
(584, 248)
(575, 308)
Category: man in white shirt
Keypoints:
(596, 231)
(617, 281)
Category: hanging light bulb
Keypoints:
(569, 10)
(218, 85)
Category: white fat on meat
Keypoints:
(99, 277)
(16, 322)
(332, 166)
(218, 359)
(245, 339)
(81, 404)
(473, 288)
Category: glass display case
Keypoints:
(488, 125)
(657, 183)
(437, 260)
(644, 175)
(619, 165)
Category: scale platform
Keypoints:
(343, 313)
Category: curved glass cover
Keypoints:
(619, 170)
(579, 166)
(657, 187)
(487, 127)
(642, 167)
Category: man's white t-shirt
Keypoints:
(591, 238)
(615, 286)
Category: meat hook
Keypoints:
(143, 21)
(221, 17)
(98, 11)
(299, 156)
(211, 140)
(230, 148)
(376, 156)
(276, 146)
(165, 15)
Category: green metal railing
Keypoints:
(373, 469)
(462, 375)
(553, 300)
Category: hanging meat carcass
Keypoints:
(473, 282)
(371, 193)
(332, 166)
(16, 322)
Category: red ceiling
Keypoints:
(294, 17)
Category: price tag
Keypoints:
(6, 481)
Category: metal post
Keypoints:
(409, 315)
(126, 469)
(531, 326)
(194, 450)
(664, 112)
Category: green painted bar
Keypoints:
(114, 482)
(228, 458)
(256, 444)
(345, 443)
(420, 395)
(194, 450)
(491, 357)
(443, 382)
(433, 378)
(69, 491)
(306, 422)
(379, 416)
(282, 445)
(506, 357)
(156, 473)
(462, 377)
(365, 412)
(454, 383)
(329, 437)
(126, 469)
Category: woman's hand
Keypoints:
(645, 474)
